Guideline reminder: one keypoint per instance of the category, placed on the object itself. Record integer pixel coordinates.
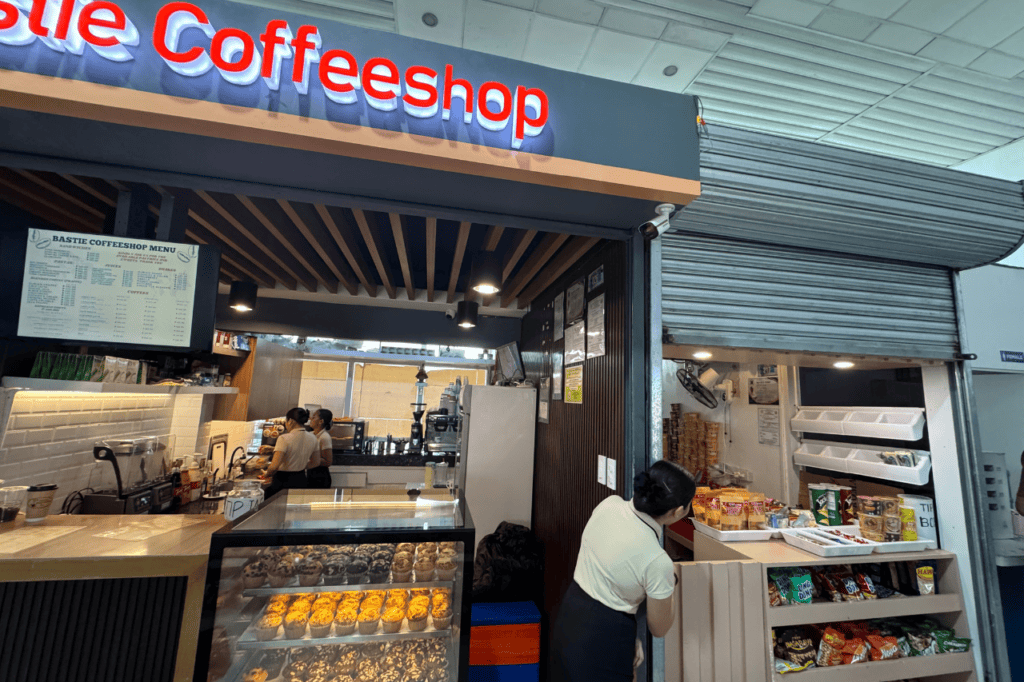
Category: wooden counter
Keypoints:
(118, 550)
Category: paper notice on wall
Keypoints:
(575, 301)
(595, 327)
(544, 395)
(559, 305)
(556, 376)
(768, 426)
(574, 385)
(114, 289)
(575, 343)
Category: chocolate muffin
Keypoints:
(438, 675)
(381, 555)
(347, 550)
(303, 654)
(296, 670)
(379, 571)
(335, 568)
(368, 667)
(347, 662)
(273, 661)
(356, 572)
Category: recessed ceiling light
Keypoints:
(702, 355)
(671, 70)
(842, 364)
(430, 19)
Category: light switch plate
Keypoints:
(601, 469)
(611, 477)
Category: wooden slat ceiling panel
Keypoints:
(281, 243)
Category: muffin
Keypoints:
(374, 650)
(392, 620)
(417, 617)
(446, 591)
(391, 675)
(347, 662)
(401, 569)
(420, 601)
(447, 552)
(426, 548)
(379, 570)
(334, 569)
(435, 661)
(419, 592)
(445, 568)
(302, 653)
(282, 574)
(318, 671)
(369, 620)
(415, 673)
(371, 604)
(381, 555)
(278, 607)
(442, 616)
(273, 661)
(345, 621)
(296, 670)
(447, 545)
(356, 572)
(324, 603)
(256, 675)
(395, 660)
(254, 575)
(351, 599)
(375, 594)
(309, 572)
(406, 547)
(295, 625)
(438, 675)
(268, 627)
(301, 605)
(368, 667)
(396, 602)
(320, 623)
(439, 599)
(424, 570)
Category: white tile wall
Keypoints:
(49, 437)
(239, 435)
(185, 423)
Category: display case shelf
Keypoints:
(248, 639)
(809, 614)
(269, 591)
(883, 671)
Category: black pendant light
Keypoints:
(243, 296)
(465, 314)
(485, 275)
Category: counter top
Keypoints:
(390, 460)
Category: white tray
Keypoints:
(837, 546)
(862, 461)
(889, 547)
(894, 423)
(736, 535)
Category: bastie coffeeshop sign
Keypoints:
(174, 49)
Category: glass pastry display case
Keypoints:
(338, 585)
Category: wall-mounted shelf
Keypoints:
(883, 671)
(893, 423)
(808, 614)
(96, 387)
(231, 353)
(863, 461)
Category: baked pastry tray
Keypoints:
(248, 639)
(296, 589)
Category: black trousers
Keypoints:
(592, 643)
(284, 480)
(318, 477)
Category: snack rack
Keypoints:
(727, 587)
(327, 519)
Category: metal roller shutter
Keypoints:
(792, 193)
(720, 292)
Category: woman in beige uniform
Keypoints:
(292, 453)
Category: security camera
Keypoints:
(449, 313)
(657, 226)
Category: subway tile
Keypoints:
(26, 421)
(13, 439)
(34, 436)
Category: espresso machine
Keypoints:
(415, 446)
(141, 485)
(444, 423)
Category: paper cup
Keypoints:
(40, 497)
(924, 513)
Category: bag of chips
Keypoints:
(831, 650)
(850, 589)
(883, 648)
(855, 651)
(925, 578)
(922, 642)
(866, 585)
(951, 644)
(796, 647)
(802, 588)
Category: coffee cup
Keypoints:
(40, 498)
(12, 501)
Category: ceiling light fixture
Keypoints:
(842, 364)
(430, 19)
(243, 296)
(466, 314)
(671, 70)
(702, 355)
(485, 274)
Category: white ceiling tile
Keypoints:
(582, 11)
(688, 60)
(845, 24)
(883, 9)
(796, 12)
(633, 22)
(1013, 45)
(996, 64)
(1006, 162)
(450, 20)
(616, 56)
(496, 29)
(990, 24)
(949, 51)
(522, 4)
(901, 38)
(934, 15)
(691, 36)
(556, 43)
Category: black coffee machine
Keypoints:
(141, 487)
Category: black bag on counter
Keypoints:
(509, 566)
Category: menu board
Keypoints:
(108, 289)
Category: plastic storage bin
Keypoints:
(862, 461)
(894, 423)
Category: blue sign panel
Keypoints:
(1011, 355)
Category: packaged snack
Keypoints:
(922, 642)
(733, 512)
(802, 587)
(825, 504)
(756, 512)
(700, 503)
(847, 502)
(908, 524)
(774, 596)
(783, 666)
(890, 506)
(950, 644)
(713, 511)
(866, 585)
(850, 588)
(797, 647)
(831, 650)
(883, 648)
(868, 505)
(801, 518)
(925, 579)
(855, 651)
(832, 590)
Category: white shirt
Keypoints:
(297, 449)
(324, 442)
(621, 560)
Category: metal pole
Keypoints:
(654, 358)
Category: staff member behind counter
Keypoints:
(292, 454)
(621, 564)
(319, 473)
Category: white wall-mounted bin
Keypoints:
(893, 423)
(863, 461)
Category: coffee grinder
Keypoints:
(416, 436)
